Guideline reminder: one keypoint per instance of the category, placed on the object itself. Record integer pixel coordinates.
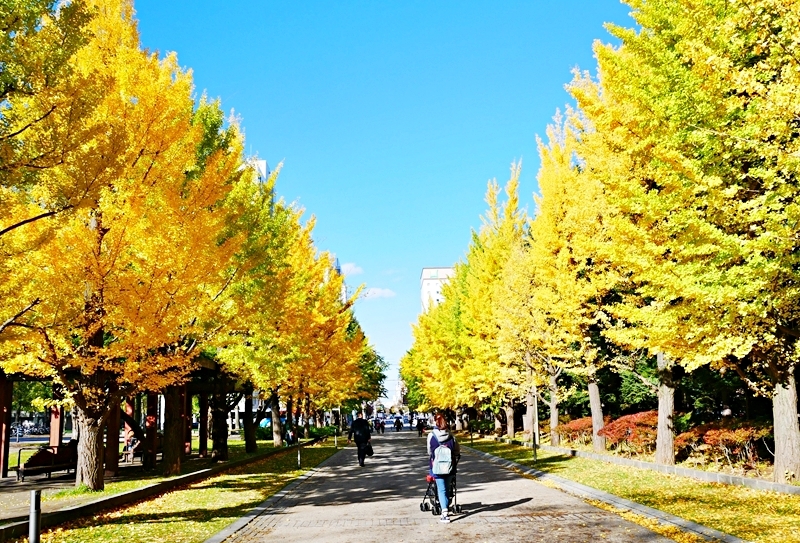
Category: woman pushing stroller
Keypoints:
(442, 462)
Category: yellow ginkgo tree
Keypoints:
(123, 279)
(456, 357)
(290, 330)
(694, 136)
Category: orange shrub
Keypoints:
(635, 434)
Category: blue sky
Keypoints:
(390, 117)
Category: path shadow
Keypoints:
(475, 508)
(396, 472)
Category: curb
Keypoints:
(705, 476)
(19, 528)
(267, 504)
(586, 492)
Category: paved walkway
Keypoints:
(342, 502)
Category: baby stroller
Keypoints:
(430, 501)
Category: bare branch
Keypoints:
(27, 126)
(789, 331)
(8, 229)
(12, 320)
(225, 286)
(653, 388)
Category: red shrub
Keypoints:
(636, 433)
(733, 441)
(687, 439)
(576, 431)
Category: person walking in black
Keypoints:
(359, 431)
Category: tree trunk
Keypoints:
(219, 427)
(202, 427)
(510, 430)
(665, 449)
(90, 452)
(459, 426)
(277, 430)
(132, 427)
(174, 431)
(787, 433)
(150, 445)
(307, 417)
(298, 411)
(498, 423)
(289, 427)
(598, 441)
(527, 420)
(260, 412)
(554, 437)
(250, 445)
(186, 421)
(112, 440)
(76, 427)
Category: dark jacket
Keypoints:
(359, 431)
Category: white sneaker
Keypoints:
(445, 518)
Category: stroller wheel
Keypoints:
(458, 508)
(422, 507)
(427, 507)
(437, 510)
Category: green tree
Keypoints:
(26, 393)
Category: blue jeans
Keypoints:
(442, 484)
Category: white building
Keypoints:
(431, 283)
(262, 170)
(338, 269)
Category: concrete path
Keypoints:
(343, 502)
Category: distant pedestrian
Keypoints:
(398, 425)
(420, 427)
(359, 432)
(383, 426)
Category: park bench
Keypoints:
(48, 459)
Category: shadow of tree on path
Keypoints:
(475, 508)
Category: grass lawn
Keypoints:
(134, 477)
(193, 513)
(142, 478)
(752, 515)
